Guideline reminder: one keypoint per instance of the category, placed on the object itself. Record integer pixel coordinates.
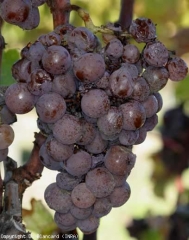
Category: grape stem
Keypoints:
(96, 29)
(31, 171)
(16, 181)
(126, 14)
(59, 11)
(92, 236)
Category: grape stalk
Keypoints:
(94, 101)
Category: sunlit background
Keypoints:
(171, 16)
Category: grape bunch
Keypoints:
(94, 102)
(23, 13)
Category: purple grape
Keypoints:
(120, 195)
(82, 197)
(120, 179)
(6, 136)
(88, 133)
(109, 137)
(57, 199)
(3, 154)
(21, 70)
(143, 30)
(66, 228)
(142, 135)
(35, 51)
(177, 69)
(121, 83)
(150, 105)
(15, 12)
(79, 163)
(112, 122)
(18, 99)
(81, 213)
(98, 145)
(103, 82)
(156, 78)
(6, 116)
(76, 54)
(58, 151)
(50, 107)
(45, 128)
(64, 31)
(141, 89)
(127, 137)
(40, 82)
(83, 39)
(118, 160)
(56, 60)
(160, 101)
(89, 68)
(32, 21)
(151, 122)
(66, 181)
(97, 160)
(114, 49)
(65, 219)
(102, 207)
(156, 54)
(139, 66)
(132, 69)
(95, 103)
(88, 225)
(134, 115)
(50, 39)
(64, 84)
(68, 130)
(100, 182)
(131, 53)
(47, 160)
(89, 119)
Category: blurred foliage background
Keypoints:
(158, 199)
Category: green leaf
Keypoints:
(39, 219)
(9, 58)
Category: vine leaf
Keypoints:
(39, 219)
(9, 58)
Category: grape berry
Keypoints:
(23, 13)
(93, 104)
